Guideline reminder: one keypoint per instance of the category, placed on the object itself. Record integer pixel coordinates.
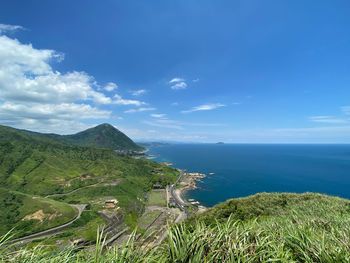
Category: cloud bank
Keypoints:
(33, 95)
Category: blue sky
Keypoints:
(202, 71)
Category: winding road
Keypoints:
(81, 207)
(73, 191)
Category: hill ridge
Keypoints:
(103, 135)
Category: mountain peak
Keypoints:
(104, 135)
(104, 125)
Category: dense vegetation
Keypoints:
(19, 211)
(261, 228)
(41, 165)
(103, 136)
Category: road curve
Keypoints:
(73, 191)
(51, 231)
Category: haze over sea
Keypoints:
(245, 169)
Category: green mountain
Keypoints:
(47, 166)
(103, 136)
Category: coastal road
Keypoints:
(51, 231)
(181, 204)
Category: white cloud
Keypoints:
(110, 86)
(158, 115)
(34, 95)
(9, 28)
(205, 107)
(142, 109)
(120, 101)
(175, 80)
(177, 83)
(64, 111)
(138, 92)
(26, 75)
(327, 119)
(62, 118)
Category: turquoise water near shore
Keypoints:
(245, 169)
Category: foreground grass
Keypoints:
(303, 228)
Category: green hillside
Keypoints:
(37, 164)
(29, 214)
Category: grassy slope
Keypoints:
(42, 166)
(157, 198)
(283, 227)
(15, 206)
(276, 205)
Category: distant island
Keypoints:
(220, 143)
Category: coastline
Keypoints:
(188, 181)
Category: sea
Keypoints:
(238, 170)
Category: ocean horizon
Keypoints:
(239, 170)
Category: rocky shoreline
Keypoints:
(189, 182)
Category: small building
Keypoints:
(157, 186)
(111, 203)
